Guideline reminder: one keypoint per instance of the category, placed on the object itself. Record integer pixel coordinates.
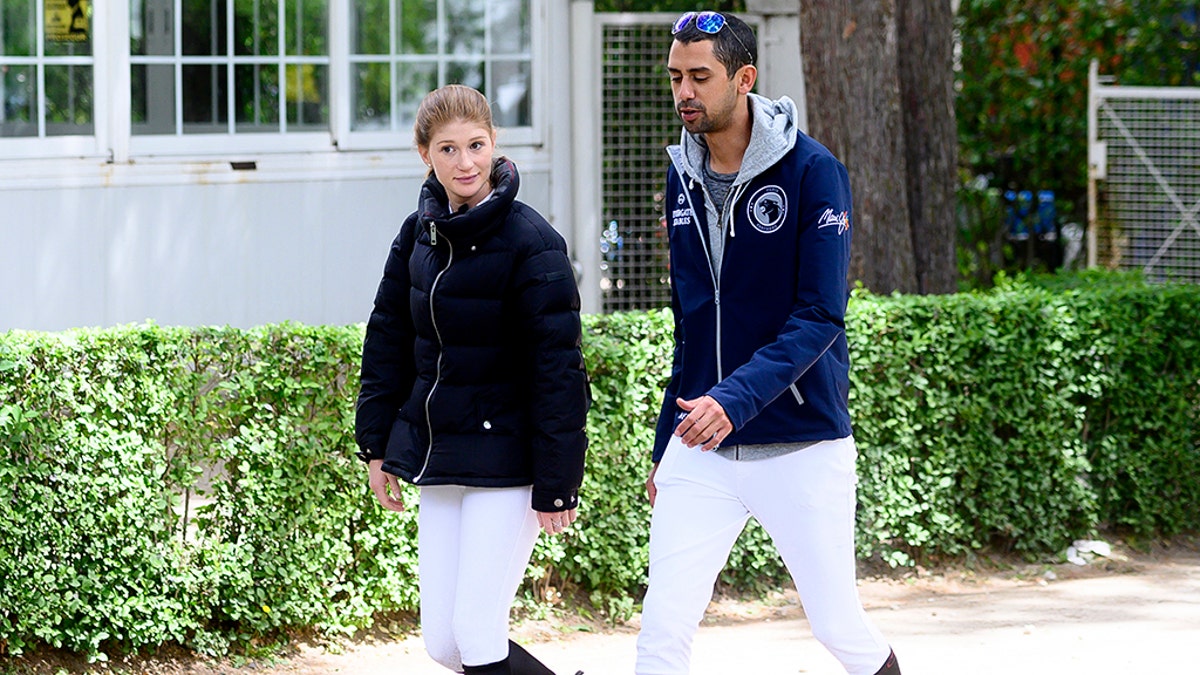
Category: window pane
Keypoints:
(68, 28)
(203, 27)
(417, 27)
(307, 24)
(16, 27)
(306, 88)
(465, 27)
(256, 27)
(20, 101)
(413, 81)
(509, 93)
(151, 28)
(69, 101)
(510, 26)
(204, 91)
(470, 74)
(258, 98)
(370, 31)
(372, 97)
(153, 99)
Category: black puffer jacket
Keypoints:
(472, 372)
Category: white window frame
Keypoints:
(114, 142)
(230, 142)
(84, 145)
(403, 138)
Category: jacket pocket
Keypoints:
(404, 451)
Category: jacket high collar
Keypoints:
(479, 222)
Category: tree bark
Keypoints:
(879, 90)
(926, 31)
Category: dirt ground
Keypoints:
(1129, 613)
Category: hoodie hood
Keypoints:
(476, 223)
(772, 135)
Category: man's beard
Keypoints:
(703, 123)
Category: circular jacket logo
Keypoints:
(767, 208)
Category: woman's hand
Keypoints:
(651, 488)
(385, 486)
(557, 521)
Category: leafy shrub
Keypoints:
(198, 486)
(187, 485)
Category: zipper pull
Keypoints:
(432, 233)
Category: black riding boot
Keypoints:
(890, 666)
(497, 668)
(523, 663)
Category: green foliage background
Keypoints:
(1021, 78)
(197, 486)
(1022, 85)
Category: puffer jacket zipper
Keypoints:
(441, 348)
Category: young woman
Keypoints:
(473, 385)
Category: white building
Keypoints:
(249, 161)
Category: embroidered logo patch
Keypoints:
(681, 215)
(767, 208)
(831, 218)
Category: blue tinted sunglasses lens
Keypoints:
(706, 22)
(682, 22)
(710, 22)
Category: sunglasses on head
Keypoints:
(709, 23)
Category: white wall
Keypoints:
(190, 241)
(213, 246)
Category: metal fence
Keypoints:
(638, 123)
(1144, 179)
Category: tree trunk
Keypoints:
(926, 29)
(887, 113)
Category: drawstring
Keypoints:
(737, 192)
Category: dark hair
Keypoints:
(726, 46)
(451, 103)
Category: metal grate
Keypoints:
(1146, 151)
(639, 122)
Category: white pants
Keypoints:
(804, 500)
(473, 547)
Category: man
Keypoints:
(755, 420)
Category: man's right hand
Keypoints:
(652, 491)
(385, 486)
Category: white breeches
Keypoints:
(804, 500)
(473, 546)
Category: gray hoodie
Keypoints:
(772, 135)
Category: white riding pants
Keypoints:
(805, 501)
(473, 547)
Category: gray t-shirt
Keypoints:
(718, 186)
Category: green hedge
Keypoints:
(197, 486)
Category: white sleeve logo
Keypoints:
(830, 218)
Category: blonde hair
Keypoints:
(451, 103)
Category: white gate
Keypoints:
(1144, 178)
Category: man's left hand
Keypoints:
(706, 423)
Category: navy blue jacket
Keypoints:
(765, 334)
(472, 371)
